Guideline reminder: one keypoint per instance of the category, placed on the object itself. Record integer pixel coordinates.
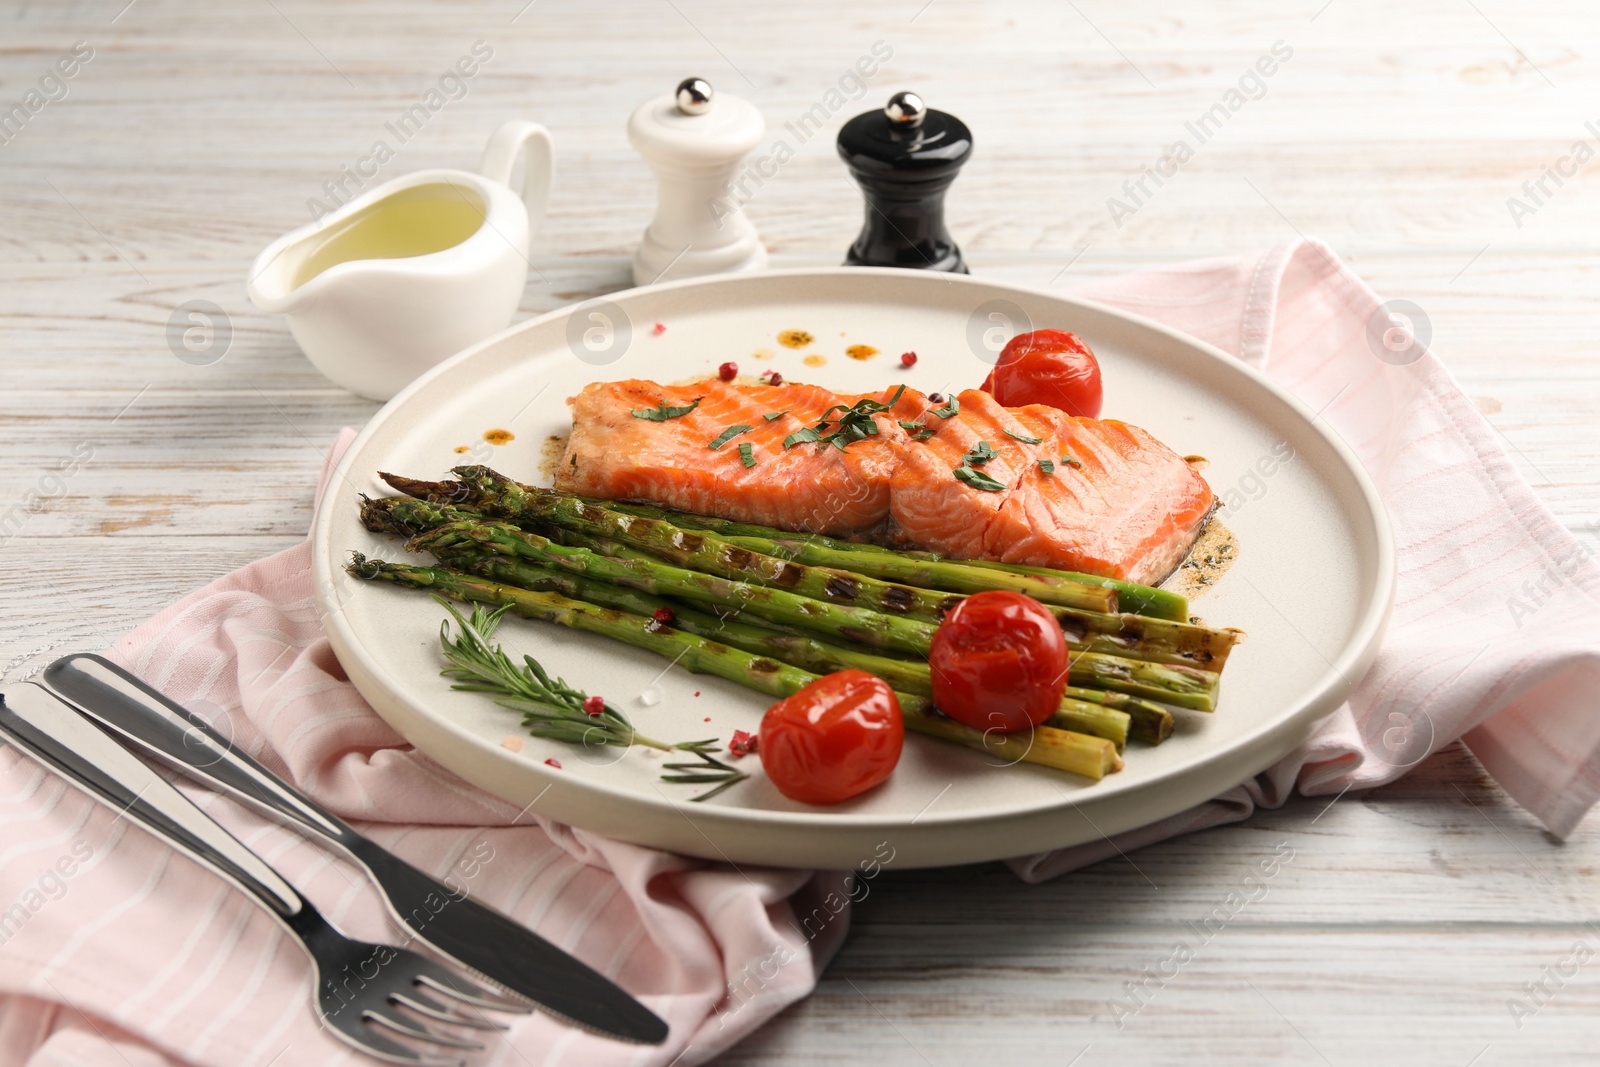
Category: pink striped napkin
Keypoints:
(115, 952)
(1495, 636)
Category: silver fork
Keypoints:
(364, 992)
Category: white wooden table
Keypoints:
(1408, 918)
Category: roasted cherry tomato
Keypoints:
(999, 662)
(836, 738)
(1047, 367)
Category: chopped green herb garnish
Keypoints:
(662, 412)
(769, 416)
(1069, 461)
(913, 426)
(923, 434)
(573, 459)
(1047, 466)
(854, 423)
(1025, 439)
(950, 409)
(747, 455)
(727, 435)
(893, 400)
(978, 480)
(978, 455)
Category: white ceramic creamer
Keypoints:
(413, 270)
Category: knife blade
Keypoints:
(474, 935)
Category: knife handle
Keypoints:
(52, 732)
(150, 720)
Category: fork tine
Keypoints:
(421, 1033)
(425, 1005)
(458, 988)
(380, 1047)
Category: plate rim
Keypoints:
(1343, 674)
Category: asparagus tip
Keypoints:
(375, 514)
(433, 492)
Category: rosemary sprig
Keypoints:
(554, 710)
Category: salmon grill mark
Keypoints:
(789, 575)
(842, 587)
(898, 598)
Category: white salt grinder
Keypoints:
(694, 141)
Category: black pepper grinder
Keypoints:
(904, 158)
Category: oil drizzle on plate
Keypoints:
(794, 338)
(499, 437)
(861, 352)
(1213, 553)
(815, 360)
(550, 453)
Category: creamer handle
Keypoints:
(500, 155)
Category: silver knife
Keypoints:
(475, 936)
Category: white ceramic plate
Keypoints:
(1312, 587)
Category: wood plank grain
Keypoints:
(1440, 123)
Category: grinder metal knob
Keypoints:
(694, 96)
(906, 109)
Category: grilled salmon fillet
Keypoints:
(1126, 506)
(614, 454)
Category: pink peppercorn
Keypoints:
(594, 705)
(728, 371)
(908, 359)
(742, 743)
(665, 616)
(553, 763)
